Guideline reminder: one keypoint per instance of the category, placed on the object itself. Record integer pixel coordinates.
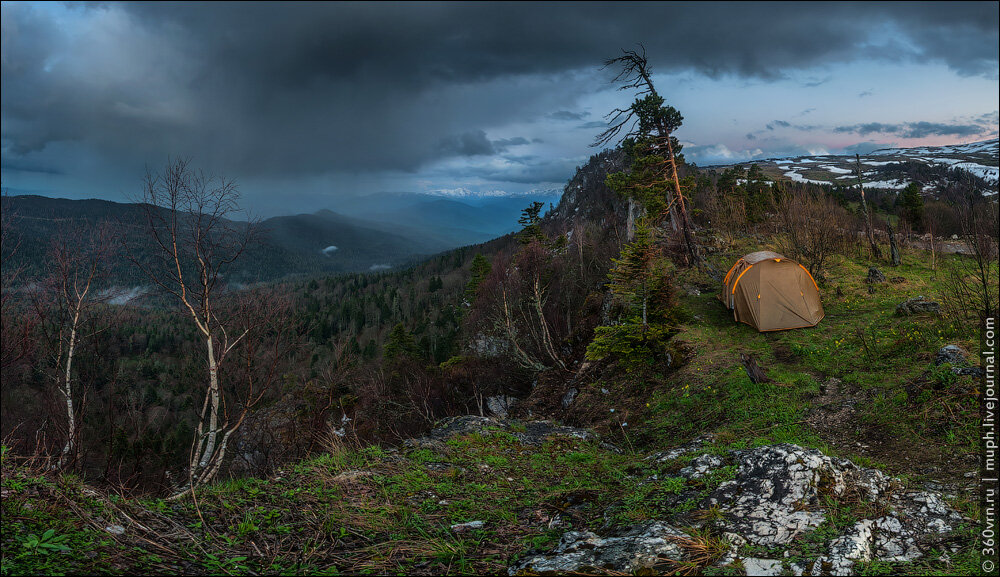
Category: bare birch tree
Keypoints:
(187, 216)
(66, 304)
(869, 231)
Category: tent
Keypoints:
(771, 293)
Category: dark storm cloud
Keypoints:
(568, 115)
(924, 129)
(472, 143)
(502, 144)
(920, 129)
(870, 128)
(283, 88)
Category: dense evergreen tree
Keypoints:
(480, 268)
(912, 204)
(530, 220)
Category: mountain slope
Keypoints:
(299, 244)
(886, 168)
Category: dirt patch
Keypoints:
(837, 418)
(784, 354)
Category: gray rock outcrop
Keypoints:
(773, 497)
(641, 547)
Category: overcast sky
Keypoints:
(303, 103)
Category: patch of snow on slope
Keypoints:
(896, 184)
(989, 173)
(799, 178)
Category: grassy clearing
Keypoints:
(884, 363)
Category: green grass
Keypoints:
(375, 510)
(882, 359)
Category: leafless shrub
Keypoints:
(972, 287)
(811, 227)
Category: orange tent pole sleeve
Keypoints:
(728, 274)
(745, 272)
(810, 277)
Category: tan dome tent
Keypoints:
(770, 293)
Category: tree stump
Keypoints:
(754, 371)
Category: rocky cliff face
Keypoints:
(586, 199)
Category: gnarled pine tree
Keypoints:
(646, 130)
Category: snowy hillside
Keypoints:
(977, 158)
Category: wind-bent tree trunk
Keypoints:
(187, 217)
(869, 232)
(79, 261)
(652, 124)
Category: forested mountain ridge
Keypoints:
(305, 244)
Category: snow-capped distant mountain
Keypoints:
(883, 168)
(465, 193)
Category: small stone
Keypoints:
(952, 354)
(115, 529)
(468, 526)
(762, 567)
(567, 399)
(353, 475)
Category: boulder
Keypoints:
(917, 305)
(958, 358)
(953, 355)
(500, 405)
(632, 551)
(874, 276)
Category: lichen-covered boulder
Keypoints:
(641, 547)
(875, 276)
(917, 305)
(958, 358)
